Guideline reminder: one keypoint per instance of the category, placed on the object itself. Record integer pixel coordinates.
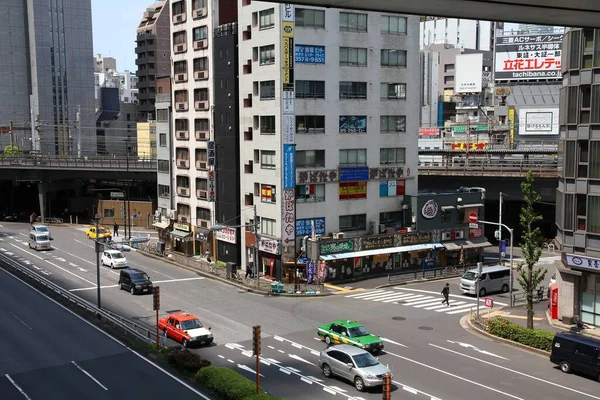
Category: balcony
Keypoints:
(248, 101)
(163, 98)
(201, 165)
(247, 67)
(179, 18)
(248, 134)
(247, 34)
(182, 135)
(182, 77)
(200, 44)
(201, 75)
(202, 136)
(249, 168)
(200, 13)
(180, 48)
(249, 199)
(202, 194)
(183, 191)
(181, 106)
(201, 105)
(144, 36)
(183, 164)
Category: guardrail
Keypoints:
(92, 162)
(400, 277)
(485, 167)
(53, 220)
(144, 333)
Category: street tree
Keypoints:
(531, 245)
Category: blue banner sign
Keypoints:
(306, 54)
(353, 123)
(356, 174)
(289, 166)
(304, 226)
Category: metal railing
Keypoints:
(145, 333)
(91, 162)
(53, 220)
(488, 167)
(399, 277)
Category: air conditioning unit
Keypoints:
(180, 48)
(172, 214)
(372, 227)
(202, 165)
(200, 44)
(339, 235)
(201, 194)
(202, 135)
(182, 106)
(202, 105)
(183, 164)
(201, 13)
(459, 234)
(183, 192)
(181, 77)
(181, 135)
(203, 224)
(200, 75)
(179, 18)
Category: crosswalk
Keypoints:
(424, 301)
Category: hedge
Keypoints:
(537, 338)
(262, 396)
(184, 360)
(227, 383)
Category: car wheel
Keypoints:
(112, 266)
(505, 288)
(565, 367)
(165, 334)
(482, 292)
(327, 371)
(185, 343)
(359, 384)
(328, 340)
(132, 290)
(121, 286)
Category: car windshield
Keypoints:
(191, 324)
(41, 237)
(117, 254)
(101, 231)
(469, 276)
(365, 360)
(41, 229)
(140, 277)
(358, 331)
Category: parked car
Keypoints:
(353, 364)
(114, 259)
(350, 332)
(186, 329)
(135, 281)
(576, 353)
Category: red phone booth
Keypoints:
(554, 301)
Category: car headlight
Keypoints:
(371, 376)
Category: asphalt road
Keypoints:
(430, 354)
(49, 353)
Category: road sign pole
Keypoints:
(479, 271)
(156, 306)
(97, 248)
(256, 350)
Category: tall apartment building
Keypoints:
(329, 110)
(153, 51)
(460, 33)
(48, 72)
(164, 148)
(578, 193)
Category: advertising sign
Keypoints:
(288, 229)
(392, 188)
(270, 246)
(304, 226)
(211, 185)
(310, 272)
(353, 190)
(289, 166)
(470, 146)
(377, 242)
(575, 261)
(468, 75)
(344, 246)
(226, 235)
(306, 54)
(528, 57)
(211, 152)
(429, 131)
(354, 174)
(353, 123)
(538, 121)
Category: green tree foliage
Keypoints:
(531, 240)
(10, 151)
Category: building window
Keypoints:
(200, 33)
(201, 125)
(581, 213)
(201, 64)
(162, 139)
(181, 124)
(594, 159)
(310, 124)
(163, 165)
(267, 124)
(353, 157)
(164, 191)
(353, 90)
(267, 159)
(570, 158)
(575, 47)
(178, 8)
(200, 94)
(569, 211)
(202, 184)
(267, 226)
(266, 18)
(203, 213)
(393, 25)
(309, 18)
(109, 213)
(393, 58)
(310, 159)
(180, 67)
(267, 54)
(391, 218)
(310, 89)
(594, 217)
(179, 38)
(353, 56)
(352, 124)
(353, 22)
(392, 156)
(181, 96)
(310, 193)
(268, 193)
(393, 91)
(392, 123)
(162, 115)
(572, 104)
(590, 305)
(267, 90)
(356, 222)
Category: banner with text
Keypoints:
(538, 121)
(528, 57)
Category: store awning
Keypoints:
(466, 244)
(470, 205)
(181, 235)
(161, 225)
(376, 252)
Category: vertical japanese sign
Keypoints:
(288, 128)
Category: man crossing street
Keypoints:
(446, 293)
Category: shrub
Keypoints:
(262, 396)
(185, 361)
(537, 338)
(226, 383)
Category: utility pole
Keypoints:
(256, 240)
(500, 231)
(78, 127)
(97, 248)
(33, 125)
(12, 135)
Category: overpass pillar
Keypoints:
(42, 195)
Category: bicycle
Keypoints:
(450, 269)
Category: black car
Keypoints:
(135, 281)
(576, 353)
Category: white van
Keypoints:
(493, 279)
(39, 241)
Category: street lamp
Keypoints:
(97, 249)
(128, 217)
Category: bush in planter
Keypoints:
(537, 338)
(226, 383)
(263, 396)
(185, 361)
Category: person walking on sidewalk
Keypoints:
(446, 293)
(116, 229)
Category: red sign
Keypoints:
(471, 146)
(473, 218)
(475, 233)
(429, 131)
(489, 302)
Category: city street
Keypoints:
(429, 353)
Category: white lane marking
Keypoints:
(369, 296)
(295, 357)
(82, 269)
(455, 303)
(113, 286)
(453, 307)
(392, 342)
(285, 370)
(246, 368)
(87, 261)
(281, 351)
(315, 353)
(17, 387)
(402, 298)
(328, 390)
(278, 338)
(477, 349)
(247, 353)
(89, 375)
(410, 390)
(2, 249)
(315, 379)
(231, 361)
(389, 296)
(426, 299)
(273, 361)
(233, 346)
(455, 376)
(437, 302)
(271, 347)
(93, 288)
(73, 265)
(20, 320)
(336, 388)
(294, 370)
(458, 296)
(306, 380)
(516, 372)
(461, 311)
(60, 259)
(265, 362)
(181, 280)
(363, 294)
(220, 356)
(83, 243)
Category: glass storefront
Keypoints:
(590, 299)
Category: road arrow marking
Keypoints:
(295, 357)
(73, 265)
(294, 370)
(247, 353)
(36, 267)
(61, 259)
(2, 249)
(8, 253)
(304, 379)
(82, 270)
(469, 346)
(338, 389)
(315, 379)
(45, 273)
(392, 342)
(285, 370)
(245, 368)
(27, 262)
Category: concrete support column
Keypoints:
(42, 195)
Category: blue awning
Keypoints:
(389, 250)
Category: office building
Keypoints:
(48, 75)
(459, 33)
(153, 49)
(164, 149)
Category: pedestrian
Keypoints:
(249, 271)
(207, 255)
(116, 229)
(446, 293)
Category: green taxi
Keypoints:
(350, 332)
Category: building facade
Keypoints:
(459, 33)
(48, 76)
(578, 199)
(153, 49)
(329, 105)
(164, 153)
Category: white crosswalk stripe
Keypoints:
(423, 301)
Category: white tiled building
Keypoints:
(351, 109)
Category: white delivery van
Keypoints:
(493, 279)
(39, 241)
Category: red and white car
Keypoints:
(186, 329)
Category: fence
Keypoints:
(485, 167)
(132, 163)
(400, 277)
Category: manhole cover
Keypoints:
(398, 318)
(425, 328)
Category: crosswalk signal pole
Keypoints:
(256, 352)
(156, 307)
(387, 387)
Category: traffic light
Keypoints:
(256, 340)
(156, 298)
(387, 387)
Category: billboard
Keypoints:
(538, 121)
(468, 75)
(353, 123)
(289, 166)
(306, 54)
(528, 57)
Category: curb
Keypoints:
(466, 320)
(227, 281)
(416, 281)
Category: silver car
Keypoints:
(354, 364)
